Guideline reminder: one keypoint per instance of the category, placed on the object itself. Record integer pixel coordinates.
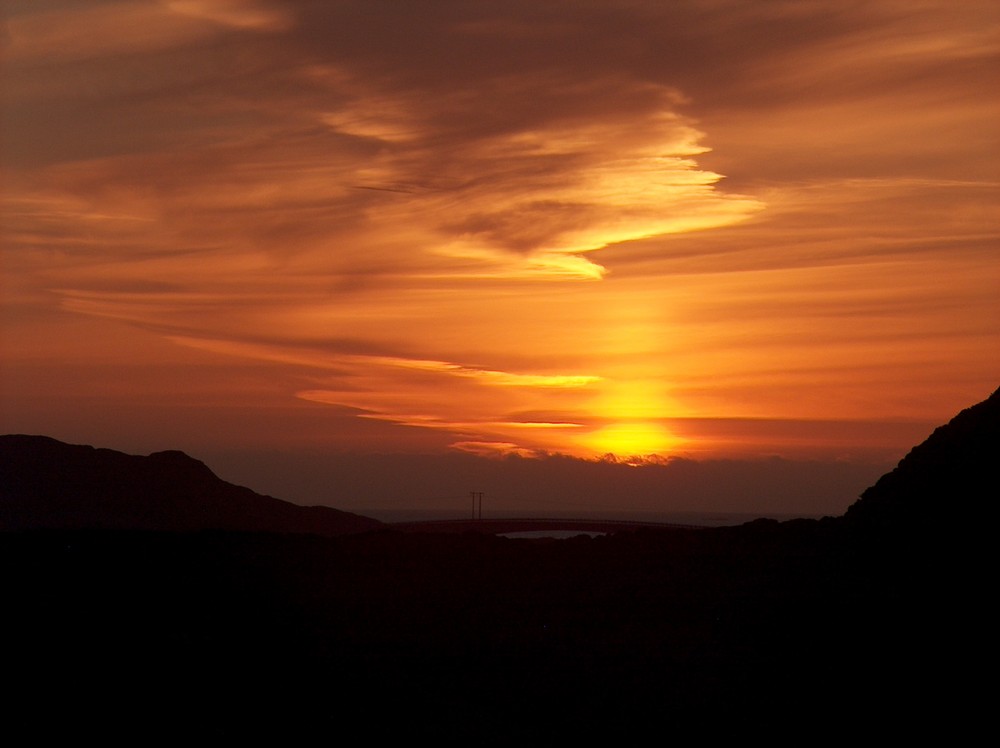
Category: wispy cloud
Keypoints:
(443, 219)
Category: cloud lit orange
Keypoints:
(692, 228)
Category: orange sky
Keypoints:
(706, 228)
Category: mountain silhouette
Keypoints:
(47, 484)
(870, 625)
(954, 469)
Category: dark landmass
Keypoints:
(867, 627)
(46, 484)
(954, 472)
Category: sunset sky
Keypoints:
(701, 228)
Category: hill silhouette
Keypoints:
(811, 631)
(47, 484)
(954, 470)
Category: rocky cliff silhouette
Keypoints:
(45, 483)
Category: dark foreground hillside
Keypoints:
(804, 630)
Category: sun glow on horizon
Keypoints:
(631, 439)
(498, 231)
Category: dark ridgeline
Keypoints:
(951, 477)
(864, 627)
(46, 484)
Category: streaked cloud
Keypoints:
(240, 14)
(520, 228)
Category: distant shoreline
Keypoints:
(407, 519)
(393, 515)
(503, 526)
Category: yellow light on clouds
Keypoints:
(631, 439)
(504, 229)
